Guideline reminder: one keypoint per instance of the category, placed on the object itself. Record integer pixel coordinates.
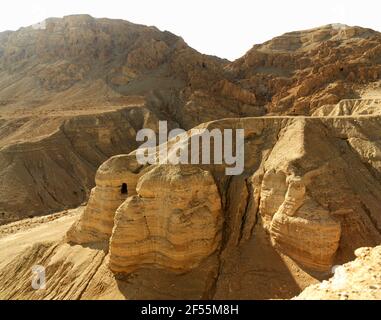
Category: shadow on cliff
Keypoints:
(255, 270)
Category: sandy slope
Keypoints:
(81, 271)
(15, 237)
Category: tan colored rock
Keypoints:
(173, 222)
(350, 107)
(308, 197)
(228, 89)
(311, 237)
(116, 179)
(299, 72)
(289, 187)
(356, 280)
(78, 65)
(272, 194)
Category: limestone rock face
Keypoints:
(297, 210)
(63, 70)
(74, 93)
(173, 222)
(50, 162)
(111, 191)
(297, 184)
(299, 72)
(229, 89)
(170, 217)
(356, 280)
(350, 107)
(311, 238)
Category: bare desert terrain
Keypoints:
(302, 221)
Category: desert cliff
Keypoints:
(308, 198)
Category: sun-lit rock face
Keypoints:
(56, 72)
(173, 222)
(298, 185)
(356, 280)
(298, 209)
(311, 237)
(116, 179)
(301, 71)
(170, 217)
(75, 91)
(298, 225)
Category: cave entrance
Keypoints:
(124, 189)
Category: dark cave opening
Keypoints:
(124, 189)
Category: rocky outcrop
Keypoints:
(356, 280)
(298, 205)
(97, 221)
(38, 170)
(174, 221)
(308, 197)
(228, 89)
(288, 190)
(301, 71)
(349, 107)
(166, 221)
(63, 69)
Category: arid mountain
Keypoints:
(299, 72)
(189, 231)
(79, 62)
(75, 91)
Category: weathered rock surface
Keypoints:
(291, 165)
(308, 197)
(356, 280)
(301, 71)
(298, 205)
(53, 166)
(173, 222)
(349, 107)
(97, 221)
(75, 67)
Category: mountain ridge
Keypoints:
(75, 91)
(81, 65)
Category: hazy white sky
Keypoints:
(226, 28)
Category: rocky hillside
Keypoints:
(301, 71)
(186, 231)
(74, 91)
(82, 62)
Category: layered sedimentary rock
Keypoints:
(298, 72)
(308, 197)
(171, 219)
(299, 225)
(173, 222)
(111, 191)
(297, 183)
(79, 65)
(168, 216)
(50, 166)
(350, 107)
(297, 210)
